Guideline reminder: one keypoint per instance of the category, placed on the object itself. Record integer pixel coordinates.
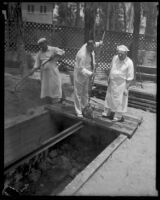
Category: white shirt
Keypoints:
(83, 59)
(123, 69)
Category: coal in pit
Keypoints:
(51, 171)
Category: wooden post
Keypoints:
(136, 30)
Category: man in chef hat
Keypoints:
(51, 89)
(120, 77)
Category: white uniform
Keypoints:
(50, 77)
(82, 72)
(121, 71)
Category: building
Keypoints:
(39, 12)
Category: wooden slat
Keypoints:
(73, 187)
(143, 104)
(102, 86)
(150, 102)
(142, 108)
(22, 137)
(121, 128)
(148, 70)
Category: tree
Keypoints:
(150, 11)
(77, 21)
(65, 14)
(135, 43)
(90, 15)
(15, 18)
(125, 17)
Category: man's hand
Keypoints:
(52, 57)
(101, 42)
(125, 92)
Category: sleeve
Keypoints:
(112, 63)
(59, 51)
(130, 75)
(97, 44)
(81, 65)
(37, 61)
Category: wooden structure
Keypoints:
(25, 134)
(137, 99)
(128, 127)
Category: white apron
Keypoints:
(51, 81)
(115, 98)
(50, 76)
(120, 72)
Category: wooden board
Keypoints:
(74, 186)
(21, 136)
(128, 127)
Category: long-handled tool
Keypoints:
(25, 77)
(88, 110)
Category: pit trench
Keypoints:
(49, 172)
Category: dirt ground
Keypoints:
(134, 162)
(27, 96)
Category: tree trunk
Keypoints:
(89, 21)
(20, 43)
(107, 16)
(136, 30)
(151, 15)
(125, 22)
(16, 15)
(77, 15)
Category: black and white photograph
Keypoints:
(80, 99)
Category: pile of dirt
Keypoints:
(27, 95)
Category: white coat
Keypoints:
(82, 72)
(50, 76)
(120, 72)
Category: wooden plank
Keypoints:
(100, 106)
(102, 86)
(142, 108)
(146, 105)
(39, 111)
(151, 102)
(143, 94)
(147, 70)
(146, 77)
(22, 138)
(121, 128)
(73, 187)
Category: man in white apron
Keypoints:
(84, 65)
(120, 77)
(51, 88)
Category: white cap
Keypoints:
(122, 48)
(41, 40)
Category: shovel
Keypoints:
(25, 77)
(88, 110)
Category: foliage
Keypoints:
(150, 11)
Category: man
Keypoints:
(120, 77)
(51, 89)
(84, 65)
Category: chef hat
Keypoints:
(41, 40)
(122, 48)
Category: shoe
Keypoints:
(107, 116)
(104, 114)
(122, 119)
(115, 119)
(57, 100)
(80, 115)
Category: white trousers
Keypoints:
(80, 95)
